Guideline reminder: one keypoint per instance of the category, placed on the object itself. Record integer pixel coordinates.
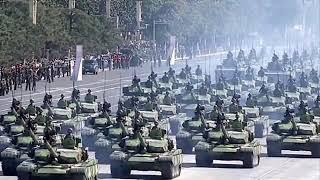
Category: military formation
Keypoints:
(215, 121)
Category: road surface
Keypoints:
(289, 167)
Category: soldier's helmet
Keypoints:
(89, 90)
(39, 110)
(156, 123)
(70, 131)
(31, 101)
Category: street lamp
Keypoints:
(154, 35)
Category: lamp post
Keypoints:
(155, 23)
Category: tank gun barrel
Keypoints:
(203, 121)
(123, 128)
(225, 134)
(28, 129)
(143, 143)
(51, 150)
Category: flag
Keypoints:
(77, 69)
(171, 50)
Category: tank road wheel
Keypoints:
(119, 170)
(8, 168)
(259, 130)
(203, 161)
(251, 160)
(169, 171)
(315, 149)
(273, 148)
(175, 126)
(23, 176)
(83, 177)
(185, 146)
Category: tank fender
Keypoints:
(202, 146)
(273, 137)
(118, 156)
(183, 135)
(26, 167)
(89, 169)
(9, 153)
(175, 157)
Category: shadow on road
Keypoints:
(151, 177)
(189, 165)
(215, 165)
(284, 155)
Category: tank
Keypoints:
(19, 151)
(134, 91)
(274, 113)
(10, 131)
(151, 116)
(69, 119)
(248, 84)
(196, 79)
(6, 120)
(90, 109)
(159, 155)
(277, 101)
(89, 133)
(228, 71)
(68, 164)
(165, 86)
(240, 147)
(292, 96)
(176, 122)
(295, 136)
(221, 93)
(190, 134)
(106, 144)
(261, 123)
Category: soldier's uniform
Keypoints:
(31, 109)
(69, 141)
(156, 132)
(62, 103)
(198, 71)
(28, 80)
(89, 98)
(167, 99)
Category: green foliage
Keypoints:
(189, 20)
(20, 38)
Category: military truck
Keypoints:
(294, 134)
(146, 154)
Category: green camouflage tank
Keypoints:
(190, 134)
(231, 145)
(159, 155)
(294, 135)
(261, 123)
(58, 163)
